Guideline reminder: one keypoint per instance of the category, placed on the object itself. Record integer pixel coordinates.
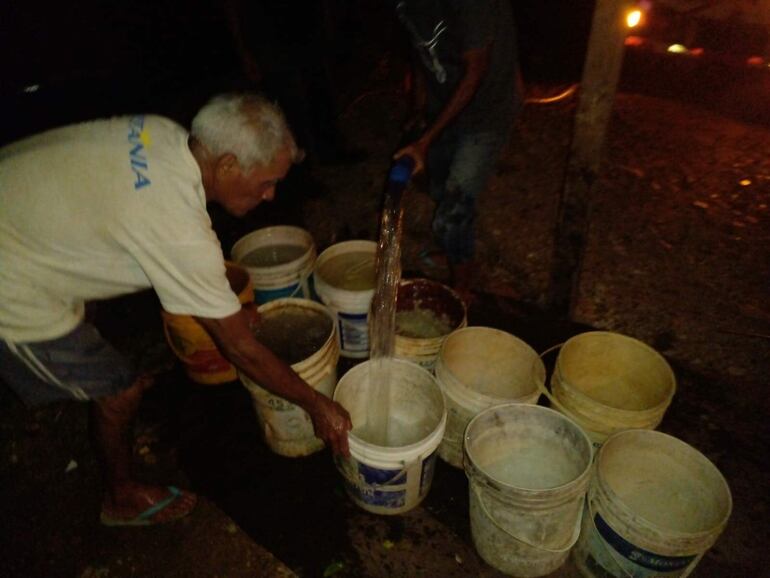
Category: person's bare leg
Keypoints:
(112, 420)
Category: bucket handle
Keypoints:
(614, 555)
(581, 420)
(572, 542)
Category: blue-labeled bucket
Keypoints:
(279, 260)
(393, 475)
(344, 280)
(655, 506)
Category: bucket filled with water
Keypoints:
(344, 279)
(608, 382)
(426, 312)
(393, 456)
(528, 469)
(655, 506)
(279, 261)
(191, 343)
(302, 334)
(478, 367)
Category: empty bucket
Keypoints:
(608, 382)
(344, 279)
(478, 367)
(392, 478)
(301, 333)
(426, 312)
(528, 469)
(191, 343)
(279, 261)
(655, 506)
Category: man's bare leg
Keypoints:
(112, 420)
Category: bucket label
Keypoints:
(385, 488)
(428, 467)
(638, 556)
(353, 331)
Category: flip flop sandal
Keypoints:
(145, 518)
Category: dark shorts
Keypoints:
(80, 365)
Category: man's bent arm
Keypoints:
(476, 64)
(238, 344)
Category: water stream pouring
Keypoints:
(383, 309)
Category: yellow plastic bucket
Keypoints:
(433, 297)
(608, 382)
(190, 342)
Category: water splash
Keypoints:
(383, 311)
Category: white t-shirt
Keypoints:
(101, 209)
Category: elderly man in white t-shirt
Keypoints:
(110, 207)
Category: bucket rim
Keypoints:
(463, 308)
(603, 486)
(302, 364)
(283, 268)
(323, 286)
(471, 466)
(490, 400)
(373, 450)
(662, 406)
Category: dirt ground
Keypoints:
(678, 257)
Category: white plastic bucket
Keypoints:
(528, 469)
(350, 308)
(608, 382)
(278, 281)
(478, 367)
(436, 298)
(392, 480)
(655, 506)
(286, 427)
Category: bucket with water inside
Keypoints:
(426, 312)
(608, 382)
(279, 261)
(391, 477)
(655, 506)
(478, 367)
(191, 343)
(344, 279)
(301, 333)
(528, 469)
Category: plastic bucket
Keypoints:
(350, 307)
(396, 478)
(285, 279)
(203, 363)
(655, 506)
(478, 367)
(286, 427)
(529, 469)
(440, 303)
(608, 382)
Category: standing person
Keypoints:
(466, 95)
(109, 207)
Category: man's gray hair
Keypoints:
(245, 125)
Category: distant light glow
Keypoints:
(633, 41)
(755, 61)
(32, 88)
(695, 51)
(745, 182)
(677, 48)
(633, 18)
